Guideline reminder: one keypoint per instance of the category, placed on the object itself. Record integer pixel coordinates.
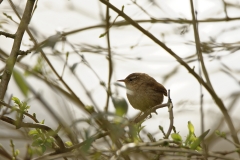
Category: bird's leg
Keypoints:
(136, 117)
(140, 114)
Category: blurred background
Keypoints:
(72, 35)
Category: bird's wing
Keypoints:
(158, 87)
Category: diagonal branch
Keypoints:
(110, 63)
(198, 47)
(170, 110)
(16, 46)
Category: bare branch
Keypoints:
(8, 35)
(16, 46)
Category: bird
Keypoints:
(143, 91)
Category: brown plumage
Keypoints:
(143, 91)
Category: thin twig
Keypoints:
(201, 64)
(170, 110)
(110, 63)
(163, 20)
(198, 46)
(8, 35)
(20, 52)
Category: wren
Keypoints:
(143, 91)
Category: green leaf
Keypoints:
(37, 142)
(133, 131)
(24, 107)
(69, 143)
(199, 148)
(43, 148)
(140, 128)
(176, 137)
(162, 130)
(102, 35)
(39, 65)
(174, 129)
(150, 136)
(33, 132)
(43, 121)
(5, 14)
(160, 127)
(190, 138)
(202, 136)
(38, 150)
(67, 54)
(16, 152)
(87, 145)
(36, 136)
(198, 140)
(195, 144)
(17, 76)
(74, 66)
(29, 151)
(16, 101)
(97, 155)
(120, 105)
(48, 142)
(190, 127)
(220, 134)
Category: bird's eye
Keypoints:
(132, 78)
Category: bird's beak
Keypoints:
(121, 80)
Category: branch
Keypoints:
(155, 146)
(110, 63)
(20, 52)
(4, 153)
(129, 146)
(181, 150)
(36, 125)
(163, 20)
(198, 46)
(16, 46)
(170, 110)
(8, 35)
